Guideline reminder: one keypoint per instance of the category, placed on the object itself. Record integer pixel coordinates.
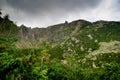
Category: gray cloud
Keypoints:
(33, 6)
(119, 4)
(48, 12)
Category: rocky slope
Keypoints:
(50, 32)
(53, 34)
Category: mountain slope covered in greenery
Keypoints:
(79, 50)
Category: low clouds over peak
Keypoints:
(43, 13)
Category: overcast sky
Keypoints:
(43, 13)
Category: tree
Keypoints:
(0, 12)
(0, 16)
(6, 17)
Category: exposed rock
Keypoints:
(82, 49)
(96, 41)
(52, 34)
(105, 47)
(90, 36)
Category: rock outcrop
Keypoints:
(53, 33)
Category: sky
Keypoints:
(43, 13)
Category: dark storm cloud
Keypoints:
(48, 12)
(32, 6)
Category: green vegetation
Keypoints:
(89, 52)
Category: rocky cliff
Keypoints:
(51, 34)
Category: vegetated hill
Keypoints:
(74, 49)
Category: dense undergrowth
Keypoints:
(32, 64)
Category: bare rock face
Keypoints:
(52, 34)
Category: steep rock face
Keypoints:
(53, 33)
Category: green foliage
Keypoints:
(56, 52)
(60, 61)
(111, 71)
(24, 67)
(55, 70)
(7, 42)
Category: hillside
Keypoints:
(79, 50)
